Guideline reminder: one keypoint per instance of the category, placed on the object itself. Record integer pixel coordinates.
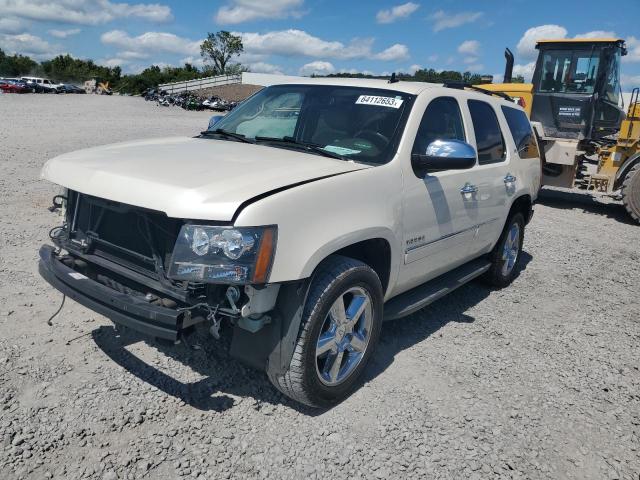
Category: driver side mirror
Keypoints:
(445, 155)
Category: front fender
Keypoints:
(352, 238)
(316, 219)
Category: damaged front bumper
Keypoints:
(131, 311)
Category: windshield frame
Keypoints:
(387, 153)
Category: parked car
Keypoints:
(42, 85)
(13, 86)
(304, 218)
(68, 88)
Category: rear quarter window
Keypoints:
(522, 132)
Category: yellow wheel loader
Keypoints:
(586, 140)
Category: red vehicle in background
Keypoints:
(13, 86)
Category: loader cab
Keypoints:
(576, 88)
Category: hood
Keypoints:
(195, 178)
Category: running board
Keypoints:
(427, 293)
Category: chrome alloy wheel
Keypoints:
(344, 336)
(511, 249)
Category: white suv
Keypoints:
(303, 219)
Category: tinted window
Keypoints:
(489, 141)
(522, 132)
(441, 121)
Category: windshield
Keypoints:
(569, 71)
(362, 124)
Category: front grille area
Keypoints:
(134, 237)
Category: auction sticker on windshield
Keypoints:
(390, 102)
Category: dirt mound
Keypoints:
(235, 93)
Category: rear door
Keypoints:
(493, 178)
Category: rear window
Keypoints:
(489, 140)
(521, 132)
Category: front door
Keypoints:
(440, 214)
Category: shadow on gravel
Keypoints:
(569, 200)
(398, 335)
(224, 375)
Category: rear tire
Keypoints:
(631, 192)
(505, 257)
(334, 343)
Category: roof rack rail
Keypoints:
(463, 85)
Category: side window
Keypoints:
(442, 120)
(521, 132)
(489, 140)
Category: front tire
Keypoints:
(339, 330)
(631, 192)
(506, 254)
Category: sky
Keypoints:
(302, 37)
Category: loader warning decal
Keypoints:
(390, 102)
(571, 112)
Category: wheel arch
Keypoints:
(624, 169)
(374, 247)
(524, 205)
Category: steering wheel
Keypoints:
(378, 139)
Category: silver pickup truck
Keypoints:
(301, 220)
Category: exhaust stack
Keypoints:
(508, 69)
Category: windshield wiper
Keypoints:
(224, 133)
(310, 147)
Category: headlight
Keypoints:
(223, 254)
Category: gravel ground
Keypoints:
(539, 380)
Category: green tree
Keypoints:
(16, 65)
(65, 68)
(219, 48)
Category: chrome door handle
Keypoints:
(468, 189)
(509, 179)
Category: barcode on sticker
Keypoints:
(390, 102)
(77, 276)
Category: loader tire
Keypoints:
(631, 192)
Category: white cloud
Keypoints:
(84, 12)
(469, 47)
(238, 11)
(414, 68)
(525, 70)
(131, 55)
(112, 62)
(629, 82)
(64, 33)
(597, 34)
(633, 50)
(29, 45)
(264, 67)
(151, 42)
(11, 25)
(300, 43)
(318, 67)
(397, 12)
(394, 52)
(527, 45)
(443, 20)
